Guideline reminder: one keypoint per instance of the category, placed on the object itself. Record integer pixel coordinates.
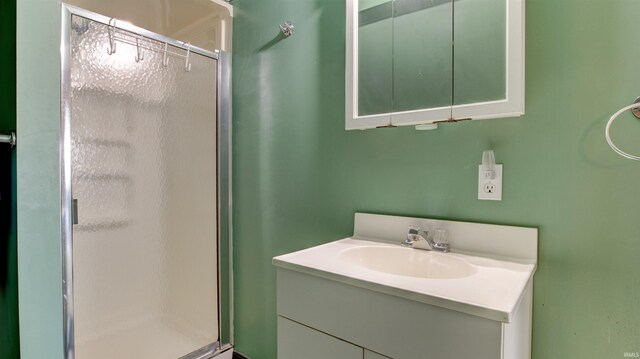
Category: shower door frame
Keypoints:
(223, 164)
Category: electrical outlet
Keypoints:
(490, 189)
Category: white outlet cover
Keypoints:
(496, 194)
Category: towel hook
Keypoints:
(139, 51)
(165, 59)
(112, 42)
(635, 109)
(286, 28)
(187, 64)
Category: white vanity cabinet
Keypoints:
(329, 306)
(386, 324)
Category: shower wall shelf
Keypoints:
(103, 142)
(99, 225)
(122, 94)
(103, 176)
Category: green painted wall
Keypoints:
(9, 336)
(299, 176)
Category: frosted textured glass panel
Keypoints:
(144, 175)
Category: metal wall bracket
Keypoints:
(636, 110)
(286, 28)
(10, 139)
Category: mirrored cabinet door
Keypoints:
(479, 53)
(375, 57)
(488, 59)
(422, 60)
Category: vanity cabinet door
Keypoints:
(371, 355)
(297, 341)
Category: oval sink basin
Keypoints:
(409, 262)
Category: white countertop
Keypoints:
(492, 292)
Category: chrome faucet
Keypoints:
(419, 239)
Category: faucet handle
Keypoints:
(415, 232)
(412, 236)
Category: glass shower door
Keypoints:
(144, 188)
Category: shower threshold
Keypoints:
(154, 339)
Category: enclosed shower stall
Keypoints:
(145, 197)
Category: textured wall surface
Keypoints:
(299, 176)
(38, 171)
(9, 338)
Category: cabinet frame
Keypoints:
(511, 106)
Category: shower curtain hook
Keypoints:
(187, 64)
(165, 59)
(112, 42)
(139, 51)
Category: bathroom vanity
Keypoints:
(367, 297)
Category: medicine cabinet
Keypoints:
(411, 62)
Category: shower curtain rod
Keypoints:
(10, 138)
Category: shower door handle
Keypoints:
(74, 211)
